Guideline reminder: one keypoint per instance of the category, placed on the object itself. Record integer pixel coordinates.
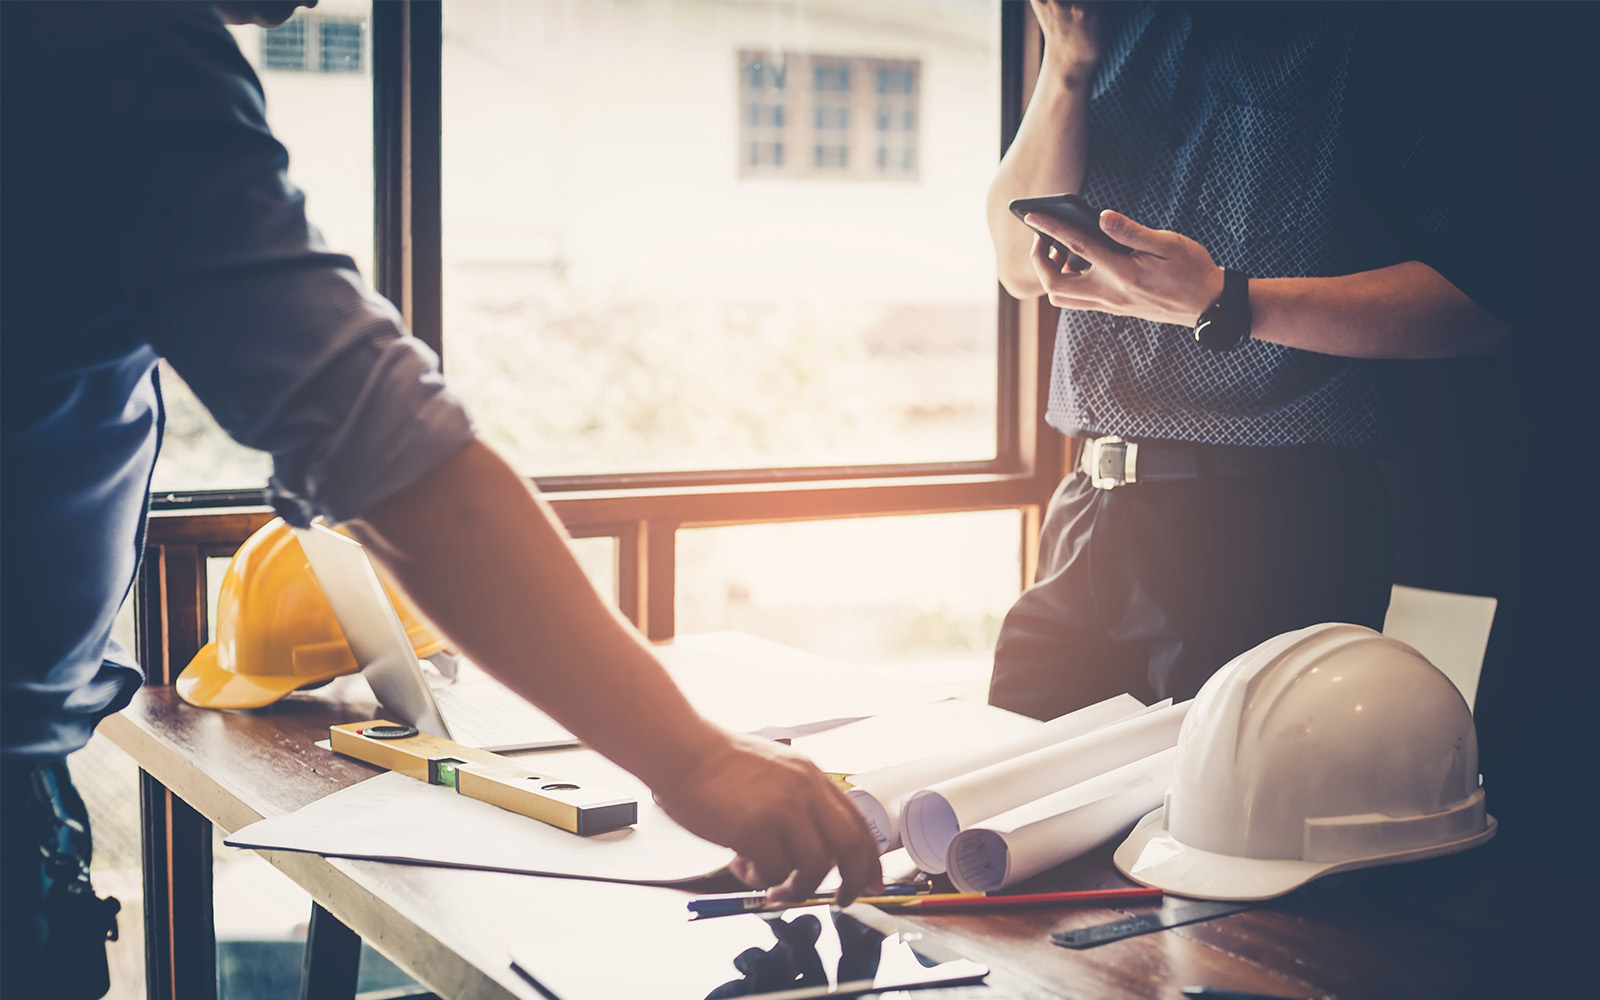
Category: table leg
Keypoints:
(180, 933)
(333, 958)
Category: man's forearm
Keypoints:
(486, 560)
(1408, 310)
(1048, 156)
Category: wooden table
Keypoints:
(1430, 929)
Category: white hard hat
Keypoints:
(1329, 748)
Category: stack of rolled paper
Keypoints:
(994, 816)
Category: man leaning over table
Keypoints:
(1347, 164)
(147, 214)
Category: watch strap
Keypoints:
(1226, 322)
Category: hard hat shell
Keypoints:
(275, 632)
(1324, 749)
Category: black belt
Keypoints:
(1111, 461)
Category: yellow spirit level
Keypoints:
(573, 806)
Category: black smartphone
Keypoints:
(1075, 212)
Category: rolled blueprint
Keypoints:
(1022, 842)
(934, 815)
(880, 795)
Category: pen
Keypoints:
(718, 906)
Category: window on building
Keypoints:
(341, 45)
(284, 47)
(317, 44)
(851, 118)
(763, 95)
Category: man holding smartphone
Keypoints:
(1303, 206)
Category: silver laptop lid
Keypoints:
(372, 627)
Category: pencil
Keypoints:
(716, 906)
(978, 901)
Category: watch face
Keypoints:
(1215, 333)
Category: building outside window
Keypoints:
(850, 118)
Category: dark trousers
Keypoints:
(55, 928)
(1149, 588)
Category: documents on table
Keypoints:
(881, 794)
(1022, 842)
(391, 817)
(995, 815)
(933, 816)
(752, 685)
(911, 733)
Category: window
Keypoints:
(764, 95)
(730, 392)
(315, 43)
(284, 47)
(617, 300)
(325, 121)
(671, 351)
(341, 45)
(853, 118)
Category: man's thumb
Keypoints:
(1129, 233)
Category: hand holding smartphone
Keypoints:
(1075, 212)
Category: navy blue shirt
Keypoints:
(1291, 140)
(145, 212)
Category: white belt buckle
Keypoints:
(1104, 452)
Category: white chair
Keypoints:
(1451, 630)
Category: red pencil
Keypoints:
(964, 902)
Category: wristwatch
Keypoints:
(1226, 322)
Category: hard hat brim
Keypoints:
(1151, 857)
(206, 685)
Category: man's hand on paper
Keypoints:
(787, 821)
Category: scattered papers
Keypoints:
(933, 816)
(391, 817)
(1022, 842)
(880, 795)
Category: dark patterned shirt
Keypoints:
(1291, 140)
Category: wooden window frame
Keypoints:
(642, 511)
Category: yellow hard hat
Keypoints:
(275, 632)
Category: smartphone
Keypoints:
(1075, 212)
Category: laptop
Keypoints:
(472, 709)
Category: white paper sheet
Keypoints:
(913, 733)
(880, 795)
(751, 685)
(1022, 842)
(391, 817)
(933, 816)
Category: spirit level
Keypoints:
(579, 808)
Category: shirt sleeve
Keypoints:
(185, 193)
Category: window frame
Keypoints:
(643, 511)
